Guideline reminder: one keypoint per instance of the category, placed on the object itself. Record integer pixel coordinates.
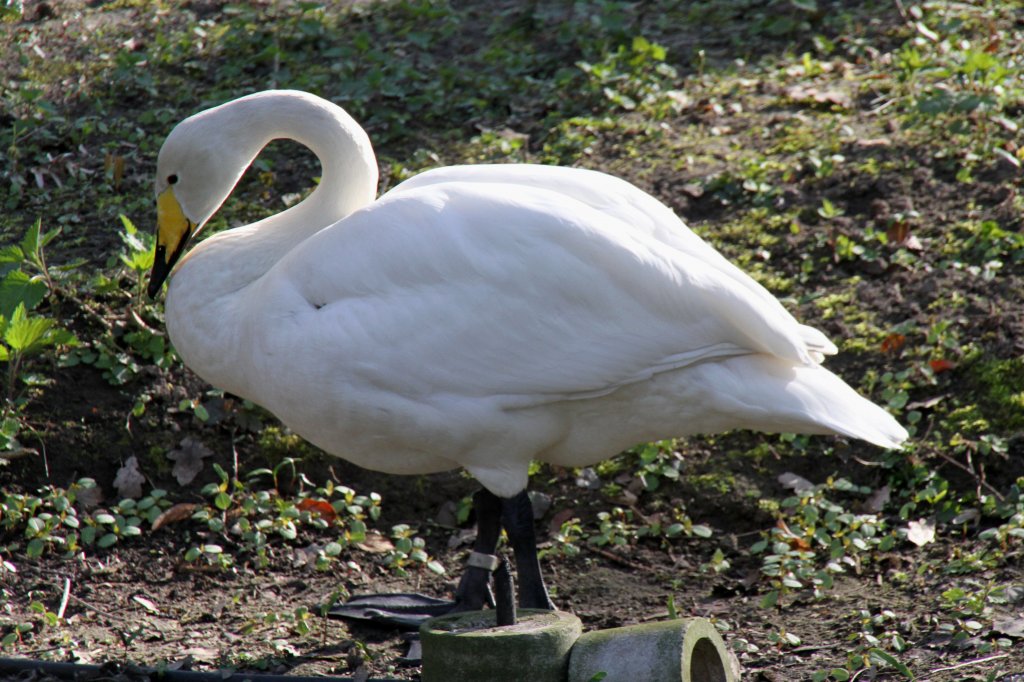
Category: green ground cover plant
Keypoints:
(861, 160)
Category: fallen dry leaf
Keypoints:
(898, 231)
(912, 243)
(462, 537)
(559, 518)
(146, 604)
(926, 404)
(205, 654)
(966, 516)
(188, 459)
(375, 543)
(178, 512)
(921, 532)
(810, 94)
(1012, 627)
(89, 498)
(893, 343)
(877, 500)
(794, 540)
(320, 507)
(794, 482)
(870, 142)
(129, 479)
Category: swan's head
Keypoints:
(198, 166)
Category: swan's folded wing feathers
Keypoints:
(616, 198)
(517, 294)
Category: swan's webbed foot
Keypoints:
(405, 611)
(474, 591)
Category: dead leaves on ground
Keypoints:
(179, 512)
(809, 94)
(188, 459)
(129, 479)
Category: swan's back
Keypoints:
(487, 323)
(623, 200)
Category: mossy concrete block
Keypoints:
(685, 650)
(470, 647)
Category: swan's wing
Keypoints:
(507, 291)
(620, 199)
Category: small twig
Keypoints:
(17, 452)
(46, 460)
(35, 652)
(89, 312)
(142, 323)
(974, 474)
(811, 649)
(611, 556)
(902, 11)
(64, 599)
(965, 664)
(94, 609)
(882, 107)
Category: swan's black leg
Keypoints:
(474, 591)
(517, 518)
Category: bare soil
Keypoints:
(141, 603)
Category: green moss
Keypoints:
(276, 444)
(155, 462)
(999, 387)
(721, 482)
(967, 419)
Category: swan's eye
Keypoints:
(172, 179)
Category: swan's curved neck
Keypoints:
(348, 182)
(349, 169)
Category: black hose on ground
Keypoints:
(84, 672)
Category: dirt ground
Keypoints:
(141, 602)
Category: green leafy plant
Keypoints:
(632, 76)
(49, 520)
(137, 256)
(816, 538)
(409, 550)
(24, 334)
(261, 518)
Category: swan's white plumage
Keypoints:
(481, 316)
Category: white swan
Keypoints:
(474, 316)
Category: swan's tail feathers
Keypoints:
(772, 395)
(877, 427)
(834, 405)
